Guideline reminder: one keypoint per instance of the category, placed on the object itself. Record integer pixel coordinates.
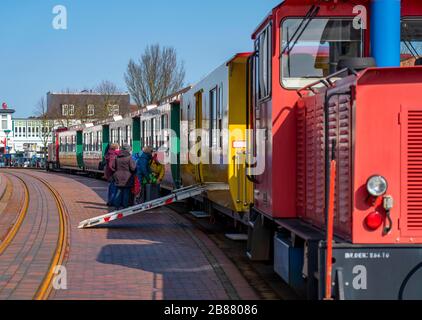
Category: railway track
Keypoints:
(44, 289)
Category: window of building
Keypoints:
(71, 110)
(65, 110)
(91, 110)
(4, 124)
(113, 110)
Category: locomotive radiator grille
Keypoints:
(414, 170)
(311, 161)
(340, 125)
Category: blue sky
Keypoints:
(103, 35)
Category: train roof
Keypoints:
(242, 55)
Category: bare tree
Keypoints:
(46, 124)
(157, 74)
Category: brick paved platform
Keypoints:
(153, 256)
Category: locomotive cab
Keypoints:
(299, 43)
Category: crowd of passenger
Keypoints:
(130, 176)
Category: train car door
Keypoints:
(80, 149)
(106, 139)
(175, 143)
(136, 135)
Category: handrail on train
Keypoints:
(325, 81)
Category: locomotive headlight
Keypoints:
(377, 186)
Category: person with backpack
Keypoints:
(124, 169)
(143, 171)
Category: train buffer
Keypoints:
(176, 195)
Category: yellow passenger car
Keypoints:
(213, 134)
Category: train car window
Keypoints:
(119, 136)
(99, 141)
(143, 133)
(220, 114)
(112, 133)
(151, 132)
(411, 41)
(157, 127)
(263, 48)
(91, 141)
(213, 134)
(94, 141)
(164, 126)
(129, 135)
(315, 50)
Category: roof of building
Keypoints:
(7, 111)
(82, 93)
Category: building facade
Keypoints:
(87, 105)
(6, 130)
(31, 136)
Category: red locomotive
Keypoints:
(334, 120)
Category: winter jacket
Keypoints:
(143, 169)
(110, 158)
(158, 170)
(124, 169)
